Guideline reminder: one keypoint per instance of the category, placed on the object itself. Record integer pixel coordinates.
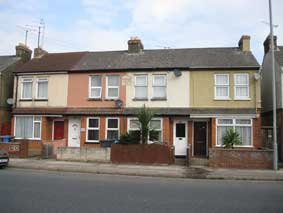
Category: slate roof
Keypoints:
(195, 58)
(6, 61)
(279, 56)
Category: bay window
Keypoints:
(112, 87)
(241, 86)
(42, 88)
(221, 88)
(242, 126)
(159, 86)
(27, 88)
(112, 128)
(141, 87)
(92, 130)
(95, 86)
(28, 127)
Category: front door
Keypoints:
(180, 138)
(74, 132)
(200, 134)
(58, 130)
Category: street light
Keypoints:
(275, 152)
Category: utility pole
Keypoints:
(275, 152)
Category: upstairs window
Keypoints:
(221, 88)
(241, 86)
(93, 130)
(95, 86)
(112, 128)
(159, 86)
(42, 88)
(27, 88)
(141, 87)
(113, 87)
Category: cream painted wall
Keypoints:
(202, 90)
(57, 91)
(177, 90)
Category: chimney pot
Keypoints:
(39, 52)
(135, 45)
(267, 43)
(244, 43)
(23, 52)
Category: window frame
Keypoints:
(92, 128)
(33, 122)
(112, 87)
(43, 79)
(146, 86)
(94, 87)
(222, 85)
(241, 85)
(234, 125)
(112, 129)
(165, 85)
(26, 80)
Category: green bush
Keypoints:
(130, 138)
(231, 138)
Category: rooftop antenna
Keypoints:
(39, 27)
(27, 30)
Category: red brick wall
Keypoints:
(213, 132)
(257, 140)
(166, 129)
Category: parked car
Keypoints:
(4, 158)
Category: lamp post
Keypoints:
(275, 152)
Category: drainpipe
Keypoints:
(16, 94)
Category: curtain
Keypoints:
(159, 92)
(42, 89)
(222, 91)
(36, 130)
(95, 92)
(113, 80)
(242, 91)
(96, 81)
(27, 89)
(112, 134)
(24, 127)
(113, 92)
(245, 135)
(222, 80)
(141, 92)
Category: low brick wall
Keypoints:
(55, 145)
(83, 154)
(240, 158)
(15, 149)
(142, 153)
(34, 148)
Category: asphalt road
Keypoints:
(38, 191)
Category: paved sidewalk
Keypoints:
(175, 171)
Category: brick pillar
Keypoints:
(102, 127)
(83, 134)
(166, 129)
(213, 132)
(123, 125)
(257, 132)
(12, 125)
(190, 136)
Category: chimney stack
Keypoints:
(135, 45)
(244, 43)
(23, 52)
(267, 43)
(39, 52)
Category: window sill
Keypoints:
(30, 139)
(41, 99)
(94, 99)
(222, 99)
(92, 142)
(247, 146)
(140, 99)
(158, 99)
(111, 99)
(26, 99)
(242, 99)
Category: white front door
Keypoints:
(180, 138)
(74, 132)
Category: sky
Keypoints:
(99, 25)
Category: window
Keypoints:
(134, 128)
(42, 88)
(112, 128)
(28, 127)
(27, 88)
(159, 86)
(242, 126)
(93, 130)
(95, 87)
(241, 86)
(141, 87)
(221, 82)
(112, 87)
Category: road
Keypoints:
(41, 191)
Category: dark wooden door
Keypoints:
(200, 134)
(58, 130)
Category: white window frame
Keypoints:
(26, 80)
(221, 85)
(92, 128)
(113, 129)
(234, 125)
(165, 85)
(43, 79)
(33, 122)
(94, 87)
(161, 129)
(241, 85)
(112, 87)
(146, 86)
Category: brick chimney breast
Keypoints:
(39, 52)
(135, 45)
(267, 43)
(23, 52)
(244, 43)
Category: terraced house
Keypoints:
(86, 97)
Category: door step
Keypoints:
(181, 161)
(198, 162)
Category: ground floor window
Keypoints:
(28, 127)
(242, 126)
(112, 128)
(92, 130)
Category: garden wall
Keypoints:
(240, 158)
(142, 153)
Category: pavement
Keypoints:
(173, 171)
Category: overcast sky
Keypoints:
(94, 25)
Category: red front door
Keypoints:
(58, 130)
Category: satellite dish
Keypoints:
(177, 72)
(257, 76)
(10, 101)
(119, 103)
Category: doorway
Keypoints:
(200, 138)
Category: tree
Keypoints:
(144, 116)
(231, 138)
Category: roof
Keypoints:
(52, 62)
(279, 56)
(6, 61)
(194, 58)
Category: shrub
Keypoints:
(231, 138)
(130, 138)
